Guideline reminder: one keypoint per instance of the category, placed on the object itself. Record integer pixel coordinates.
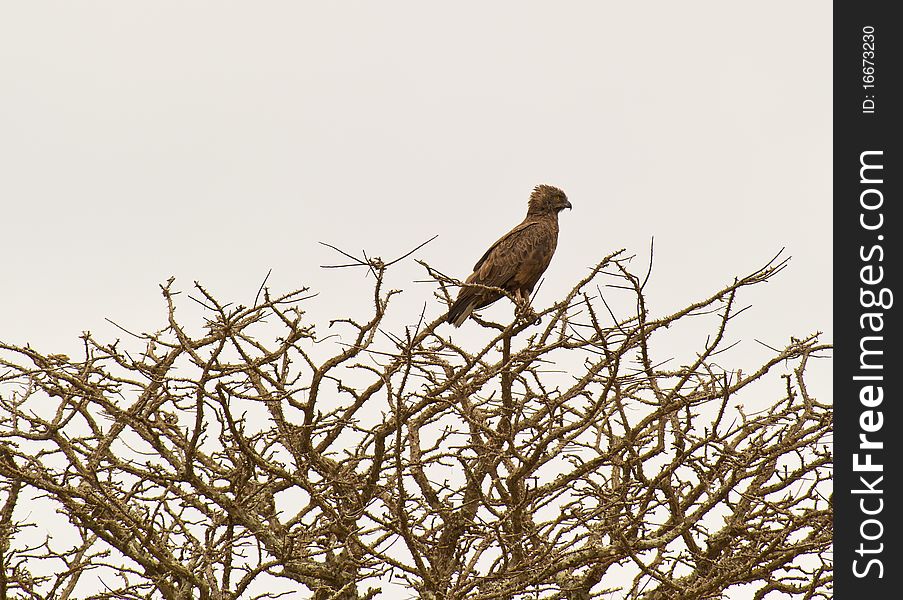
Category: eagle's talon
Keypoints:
(524, 311)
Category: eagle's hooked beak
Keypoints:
(567, 204)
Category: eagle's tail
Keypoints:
(461, 309)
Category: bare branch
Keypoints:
(247, 455)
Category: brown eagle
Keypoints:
(515, 262)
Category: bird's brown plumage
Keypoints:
(517, 260)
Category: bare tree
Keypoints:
(252, 456)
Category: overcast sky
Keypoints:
(217, 140)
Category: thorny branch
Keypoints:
(559, 460)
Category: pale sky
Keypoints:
(214, 141)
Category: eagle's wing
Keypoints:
(514, 263)
(501, 261)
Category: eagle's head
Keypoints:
(547, 200)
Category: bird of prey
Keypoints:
(517, 260)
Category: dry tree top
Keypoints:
(252, 455)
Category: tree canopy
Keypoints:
(256, 454)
